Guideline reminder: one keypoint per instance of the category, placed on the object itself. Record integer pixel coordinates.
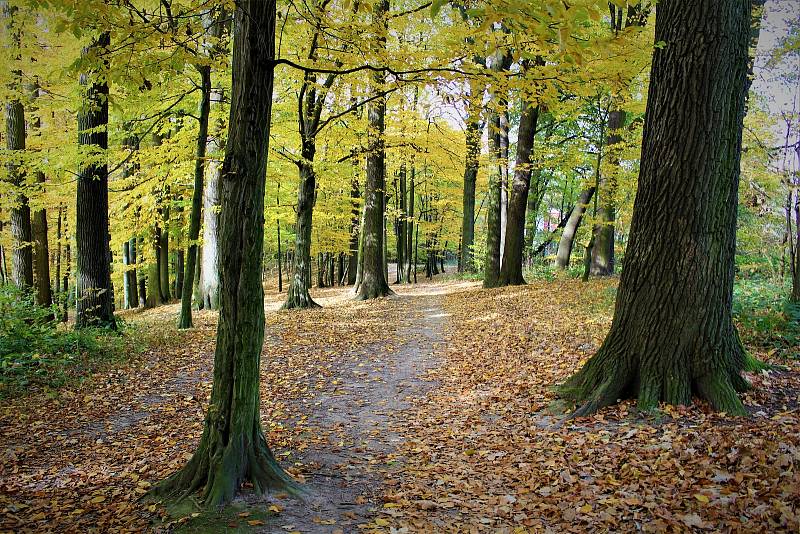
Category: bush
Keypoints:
(765, 316)
(37, 351)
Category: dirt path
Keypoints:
(366, 391)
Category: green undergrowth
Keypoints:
(765, 317)
(39, 352)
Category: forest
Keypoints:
(393, 266)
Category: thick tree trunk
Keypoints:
(298, 295)
(571, 228)
(185, 319)
(22, 252)
(373, 284)
(232, 448)
(209, 272)
(672, 335)
(511, 269)
(491, 273)
(94, 305)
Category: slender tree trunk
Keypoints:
(672, 336)
(94, 295)
(511, 269)
(67, 270)
(130, 275)
(41, 246)
(58, 251)
(185, 319)
(571, 228)
(163, 254)
(355, 232)
(504, 158)
(232, 448)
(410, 229)
(401, 226)
(126, 288)
(473, 136)
(491, 273)
(373, 284)
(141, 272)
(3, 266)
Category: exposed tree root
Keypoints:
(220, 470)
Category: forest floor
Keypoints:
(424, 412)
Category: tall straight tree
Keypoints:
(22, 253)
(212, 22)
(232, 448)
(672, 335)
(41, 246)
(94, 297)
(473, 140)
(373, 283)
(511, 269)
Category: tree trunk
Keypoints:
(41, 246)
(126, 288)
(67, 270)
(22, 252)
(233, 449)
(511, 269)
(401, 225)
(355, 231)
(298, 295)
(58, 252)
(672, 335)
(602, 259)
(473, 139)
(571, 228)
(94, 300)
(130, 275)
(410, 229)
(373, 284)
(491, 273)
(504, 157)
(142, 273)
(163, 254)
(185, 319)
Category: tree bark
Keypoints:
(410, 229)
(232, 448)
(672, 336)
(602, 259)
(204, 110)
(355, 232)
(41, 246)
(298, 295)
(374, 284)
(473, 139)
(511, 269)
(163, 253)
(571, 228)
(491, 273)
(94, 305)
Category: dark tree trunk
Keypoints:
(491, 273)
(410, 229)
(41, 246)
(3, 266)
(232, 448)
(571, 228)
(185, 319)
(401, 225)
(67, 270)
(672, 335)
(94, 305)
(163, 254)
(511, 270)
(473, 139)
(298, 295)
(126, 281)
(373, 284)
(58, 252)
(130, 275)
(355, 231)
(141, 272)
(504, 145)
(22, 252)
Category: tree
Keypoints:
(233, 449)
(373, 283)
(94, 301)
(473, 138)
(511, 269)
(672, 335)
(213, 25)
